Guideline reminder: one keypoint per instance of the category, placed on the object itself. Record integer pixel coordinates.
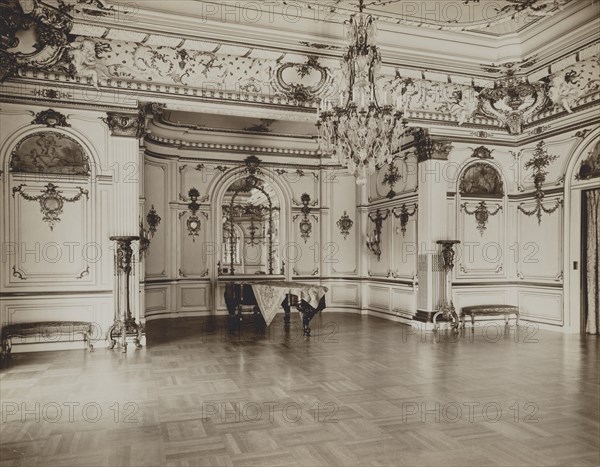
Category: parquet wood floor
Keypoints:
(361, 391)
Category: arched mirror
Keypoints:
(251, 225)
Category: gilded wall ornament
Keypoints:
(481, 213)
(51, 118)
(51, 201)
(193, 222)
(344, 223)
(153, 220)
(391, 177)
(482, 153)
(305, 224)
(404, 215)
(538, 163)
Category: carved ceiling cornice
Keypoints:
(188, 70)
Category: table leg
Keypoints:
(287, 311)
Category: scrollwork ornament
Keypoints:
(482, 214)
(51, 201)
(538, 163)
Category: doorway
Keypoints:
(590, 264)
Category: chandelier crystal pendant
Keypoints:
(359, 133)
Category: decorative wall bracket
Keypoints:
(404, 215)
(374, 243)
(538, 163)
(153, 220)
(482, 214)
(344, 223)
(51, 201)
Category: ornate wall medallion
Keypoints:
(344, 223)
(125, 124)
(305, 224)
(481, 213)
(302, 82)
(193, 222)
(51, 201)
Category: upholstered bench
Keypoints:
(44, 330)
(488, 310)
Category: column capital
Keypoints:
(430, 147)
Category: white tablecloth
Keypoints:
(269, 295)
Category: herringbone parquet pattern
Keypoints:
(362, 391)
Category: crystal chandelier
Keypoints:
(359, 133)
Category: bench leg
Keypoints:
(87, 337)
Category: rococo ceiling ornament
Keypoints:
(359, 133)
(513, 100)
(344, 223)
(538, 163)
(51, 201)
(50, 24)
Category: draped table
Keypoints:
(269, 297)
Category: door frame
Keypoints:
(573, 235)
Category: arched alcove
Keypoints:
(265, 185)
(481, 209)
